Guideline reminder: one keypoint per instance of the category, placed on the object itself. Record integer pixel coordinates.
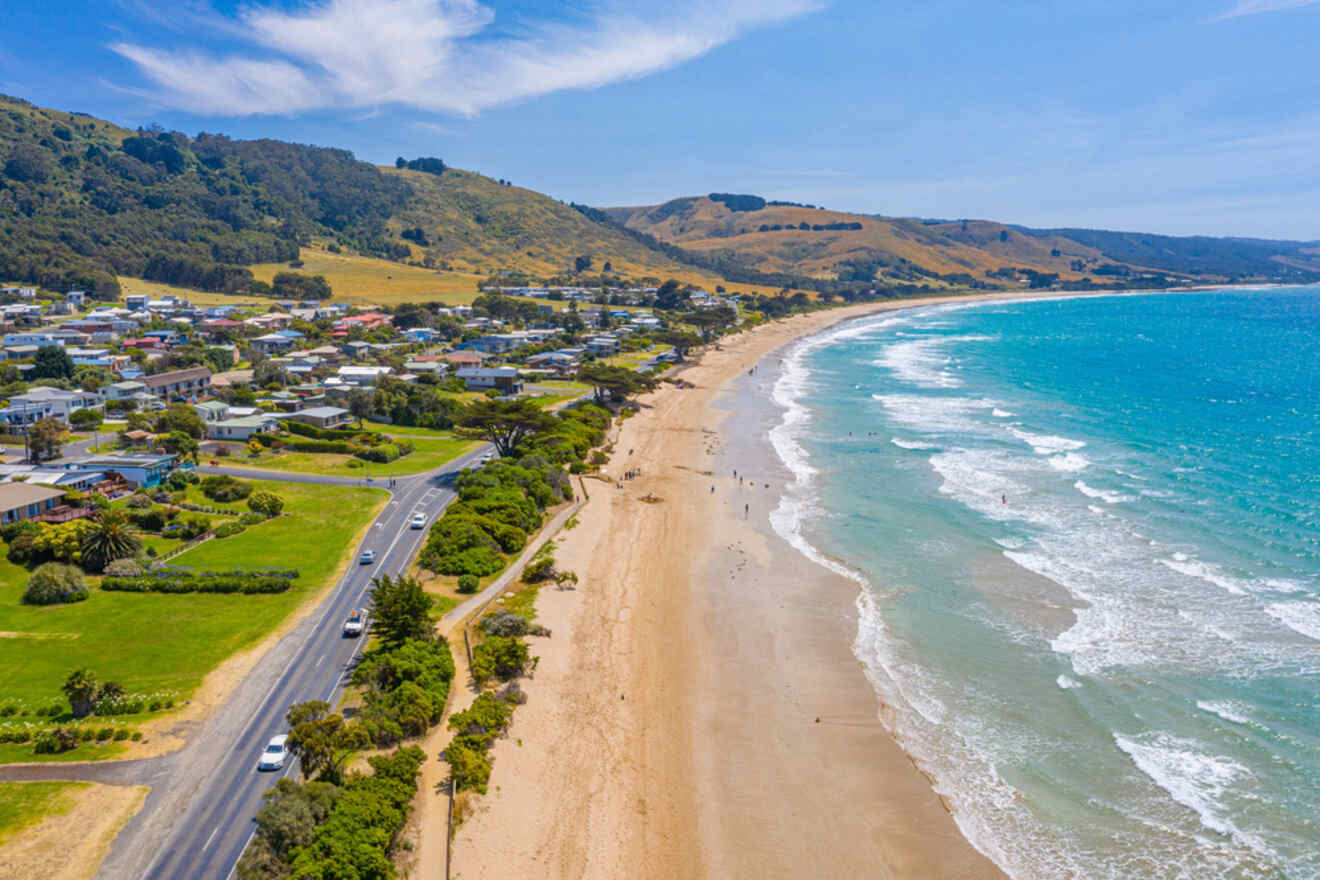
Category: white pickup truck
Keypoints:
(356, 624)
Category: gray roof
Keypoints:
(322, 412)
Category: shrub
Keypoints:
(229, 529)
(499, 656)
(506, 623)
(383, 453)
(137, 500)
(178, 480)
(104, 733)
(185, 580)
(468, 765)
(468, 583)
(251, 519)
(267, 503)
(123, 568)
(152, 520)
(54, 583)
(224, 488)
(477, 561)
(122, 734)
(194, 526)
(53, 742)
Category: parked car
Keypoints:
(367, 557)
(276, 751)
(356, 623)
(418, 521)
(488, 458)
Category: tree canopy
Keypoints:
(502, 422)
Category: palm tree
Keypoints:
(110, 537)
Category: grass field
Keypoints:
(430, 451)
(23, 804)
(355, 278)
(153, 642)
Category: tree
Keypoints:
(710, 320)
(400, 610)
(582, 263)
(182, 445)
(45, 438)
(52, 362)
(80, 687)
(681, 340)
(86, 419)
(502, 422)
(109, 537)
(292, 285)
(321, 741)
(360, 403)
(181, 417)
(613, 383)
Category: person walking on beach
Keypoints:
(712, 490)
(747, 509)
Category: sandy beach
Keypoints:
(698, 711)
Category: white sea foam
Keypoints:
(1070, 463)
(1066, 683)
(920, 362)
(1300, 617)
(1229, 710)
(1105, 495)
(1191, 777)
(936, 414)
(1046, 444)
(1001, 413)
(908, 444)
(1205, 571)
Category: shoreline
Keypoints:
(643, 749)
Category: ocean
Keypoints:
(1087, 537)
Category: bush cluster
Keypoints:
(229, 529)
(53, 584)
(476, 729)
(186, 580)
(223, 488)
(405, 687)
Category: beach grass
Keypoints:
(151, 642)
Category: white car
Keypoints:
(488, 458)
(276, 751)
(367, 557)
(417, 521)
(356, 624)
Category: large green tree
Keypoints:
(52, 362)
(45, 439)
(400, 610)
(181, 417)
(681, 340)
(503, 422)
(613, 383)
(323, 741)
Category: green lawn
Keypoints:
(429, 452)
(23, 804)
(634, 359)
(154, 642)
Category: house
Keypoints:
(326, 417)
(464, 358)
(212, 411)
(603, 346)
(135, 301)
(504, 379)
(420, 334)
(243, 427)
(76, 298)
(557, 361)
(272, 343)
(498, 343)
(20, 501)
(189, 385)
(41, 403)
(363, 375)
(42, 475)
(123, 390)
(37, 338)
(365, 321)
(143, 471)
(20, 292)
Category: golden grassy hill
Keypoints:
(700, 224)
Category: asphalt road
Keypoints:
(197, 826)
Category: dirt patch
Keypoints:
(71, 846)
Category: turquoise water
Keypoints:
(1088, 534)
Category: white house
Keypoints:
(504, 379)
(363, 375)
(242, 428)
(41, 403)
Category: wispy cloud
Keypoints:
(437, 55)
(1255, 7)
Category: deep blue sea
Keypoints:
(1088, 537)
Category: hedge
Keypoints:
(186, 580)
(331, 433)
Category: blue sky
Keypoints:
(1177, 116)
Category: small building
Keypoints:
(325, 417)
(504, 379)
(143, 471)
(363, 376)
(603, 346)
(135, 301)
(76, 298)
(41, 403)
(212, 411)
(272, 343)
(186, 385)
(460, 359)
(20, 501)
(243, 427)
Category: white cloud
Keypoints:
(439, 55)
(1254, 7)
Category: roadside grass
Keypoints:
(24, 804)
(429, 452)
(151, 642)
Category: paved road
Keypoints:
(198, 817)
